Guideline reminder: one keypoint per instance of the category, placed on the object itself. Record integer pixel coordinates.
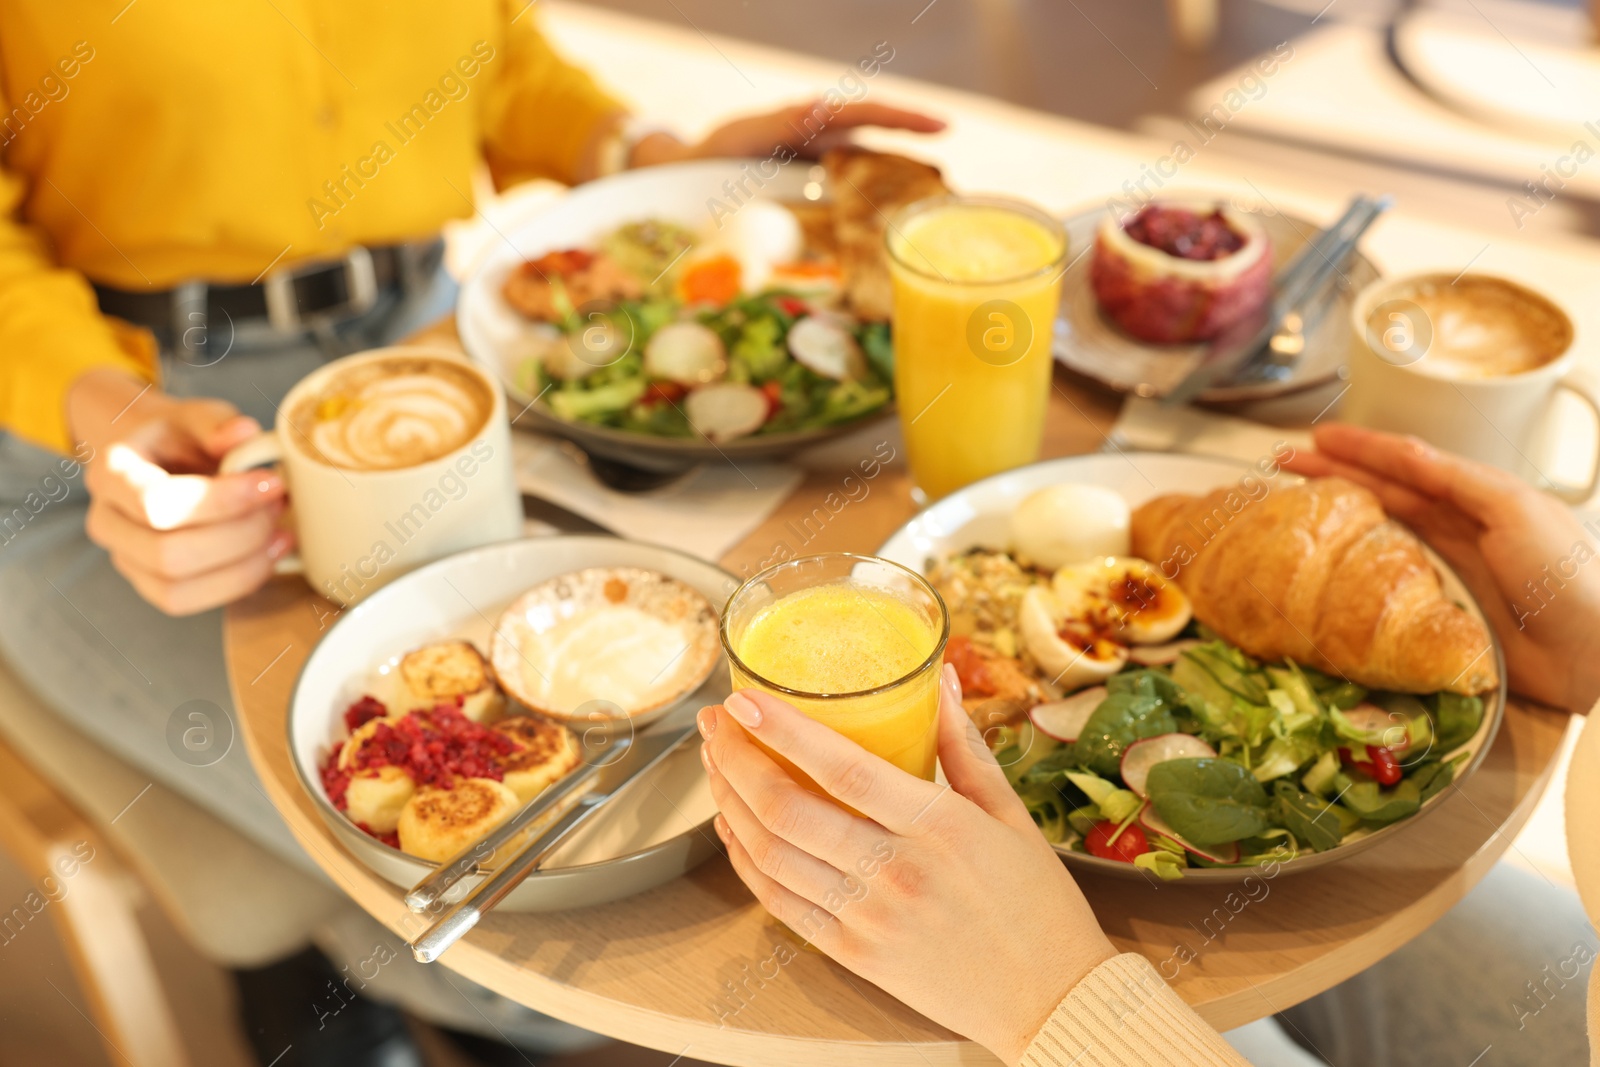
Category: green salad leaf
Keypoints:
(1313, 821)
(1138, 704)
(1210, 801)
(1457, 718)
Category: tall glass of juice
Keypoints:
(976, 284)
(854, 642)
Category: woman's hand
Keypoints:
(187, 538)
(1521, 552)
(944, 896)
(804, 130)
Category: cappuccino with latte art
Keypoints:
(394, 458)
(392, 413)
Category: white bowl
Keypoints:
(523, 636)
(657, 830)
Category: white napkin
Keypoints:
(705, 513)
(1146, 425)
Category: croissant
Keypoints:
(1317, 573)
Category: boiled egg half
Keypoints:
(1125, 598)
(1068, 650)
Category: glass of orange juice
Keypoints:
(976, 284)
(854, 642)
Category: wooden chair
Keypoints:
(95, 917)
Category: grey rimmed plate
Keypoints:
(654, 831)
(980, 514)
(492, 332)
(1088, 342)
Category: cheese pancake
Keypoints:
(436, 824)
(443, 671)
(546, 751)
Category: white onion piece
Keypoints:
(686, 352)
(1373, 720)
(726, 410)
(828, 348)
(1064, 719)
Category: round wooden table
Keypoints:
(693, 967)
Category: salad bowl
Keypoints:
(980, 515)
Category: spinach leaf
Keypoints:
(1052, 769)
(1207, 800)
(1456, 718)
(1313, 821)
(1138, 704)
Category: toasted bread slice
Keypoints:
(444, 670)
(375, 798)
(817, 237)
(546, 751)
(436, 824)
(868, 188)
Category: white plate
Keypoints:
(654, 832)
(980, 514)
(683, 193)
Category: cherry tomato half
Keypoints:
(664, 392)
(773, 391)
(1130, 843)
(1380, 764)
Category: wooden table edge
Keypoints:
(672, 1034)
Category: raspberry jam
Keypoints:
(433, 747)
(1184, 234)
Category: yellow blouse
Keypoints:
(150, 142)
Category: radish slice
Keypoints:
(1064, 719)
(1140, 756)
(1153, 822)
(1162, 655)
(687, 353)
(828, 348)
(1371, 719)
(726, 410)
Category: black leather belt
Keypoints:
(290, 301)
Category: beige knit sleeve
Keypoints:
(1123, 1015)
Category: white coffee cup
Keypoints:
(1495, 418)
(361, 528)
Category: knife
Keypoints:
(564, 519)
(647, 752)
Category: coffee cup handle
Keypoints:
(1584, 391)
(264, 450)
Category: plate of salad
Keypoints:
(661, 320)
(1144, 743)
